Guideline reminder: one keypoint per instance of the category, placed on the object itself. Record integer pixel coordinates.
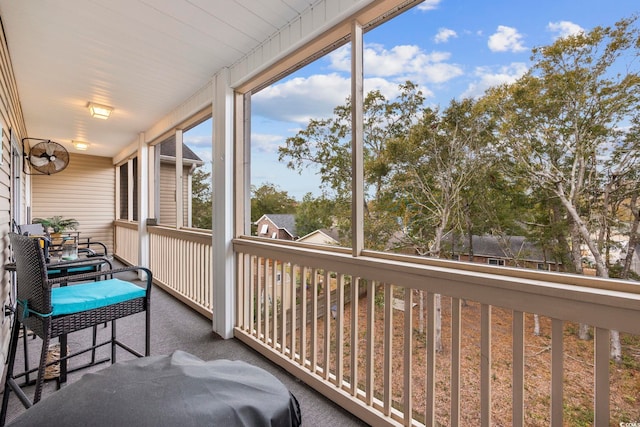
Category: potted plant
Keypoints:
(57, 223)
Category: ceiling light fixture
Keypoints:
(80, 145)
(99, 111)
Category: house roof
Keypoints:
(329, 234)
(282, 221)
(508, 247)
(168, 148)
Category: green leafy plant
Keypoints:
(57, 223)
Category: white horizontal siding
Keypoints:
(85, 190)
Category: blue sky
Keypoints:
(451, 48)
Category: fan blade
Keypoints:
(59, 164)
(51, 149)
(39, 161)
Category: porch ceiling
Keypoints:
(142, 57)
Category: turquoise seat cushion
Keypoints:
(92, 295)
(85, 269)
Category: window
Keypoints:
(264, 229)
(128, 190)
(495, 261)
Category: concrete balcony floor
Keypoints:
(174, 326)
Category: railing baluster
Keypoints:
(314, 321)
(283, 308)
(274, 304)
(455, 361)
(327, 325)
(303, 314)
(258, 297)
(292, 310)
(355, 334)
(371, 338)
(388, 348)
(485, 365)
(265, 301)
(430, 412)
(557, 371)
(601, 380)
(518, 369)
(339, 313)
(408, 356)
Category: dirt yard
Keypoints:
(578, 365)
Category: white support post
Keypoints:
(116, 212)
(144, 189)
(152, 180)
(357, 126)
(130, 187)
(179, 181)
(223, 203)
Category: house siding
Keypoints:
(11, 118)
(90, 203)
(168, 194)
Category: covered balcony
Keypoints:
(365, 336)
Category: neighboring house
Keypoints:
(190, 161)
(513, 251)
(277, 226)
(324, 236)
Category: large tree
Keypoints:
(313, 213)
(201, 199)
(325, 144)
(561, 124)
(269, 199)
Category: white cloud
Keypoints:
(429, 5)
(400, 63)
(265, 143)
(487, 77)
(444, 34)
(564, 28)
(301, 98)
(506, 39)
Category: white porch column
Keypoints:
(179, 181)
(223, 225)
(145, 187)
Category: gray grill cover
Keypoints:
(178, 390)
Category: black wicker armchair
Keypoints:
(51, 311)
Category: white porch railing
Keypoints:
(362, 345)
(180, 260)
(126, 241)
(367, 339)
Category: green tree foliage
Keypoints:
(313, 214)
(201, 199)
(325, 144)
(269, 199)
(561, 125)
(433, 164)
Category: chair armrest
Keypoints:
(80, 262)
(87, 244)
(97, 274)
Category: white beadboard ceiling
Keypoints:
(142, 57)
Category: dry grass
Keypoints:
(578, 366)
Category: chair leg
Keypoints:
(43, 363)
(147, 332)
(13, 344)
(25, 337)
(113, 341)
